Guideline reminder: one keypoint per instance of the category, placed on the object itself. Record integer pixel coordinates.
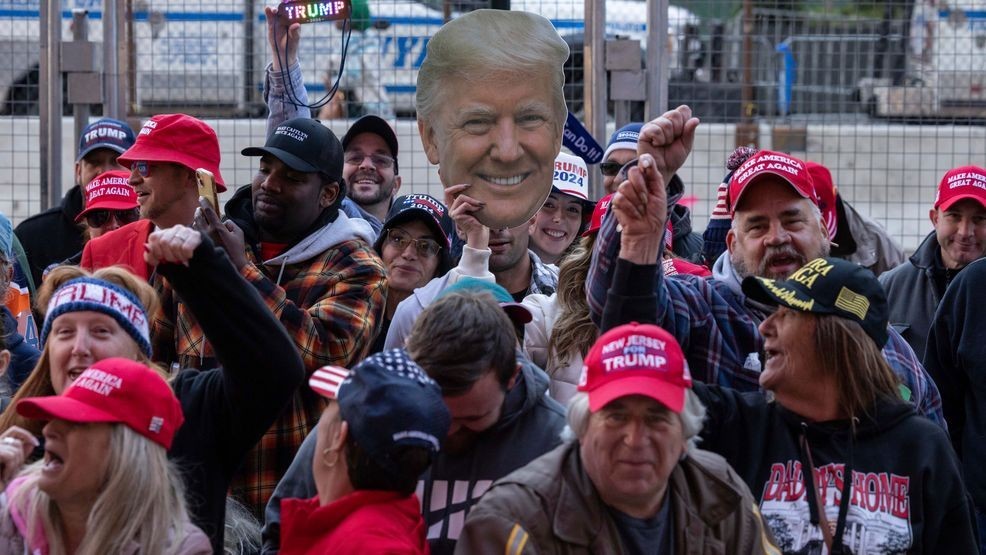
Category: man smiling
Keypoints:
(633, 480)
(491, 109)
(162, 164)
(915, 288)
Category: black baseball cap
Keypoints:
(305, 145)
(378, 126)
(829, 286)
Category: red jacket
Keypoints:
(123, 247)
(359, 523)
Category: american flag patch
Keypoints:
(327, 379)
(853, 303)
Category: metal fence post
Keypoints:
(50, 104)
(657, 59)
(594, 81)
(116, 49)
(80, 32)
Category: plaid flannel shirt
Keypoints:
(717, 328)
(331, 305)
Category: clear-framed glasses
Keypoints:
(379, 160)
(425, 248)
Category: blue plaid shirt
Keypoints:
(717, 327)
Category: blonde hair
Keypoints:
(38, 383)
(482, 42)
(573, 333)
(141, 501)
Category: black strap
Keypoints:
(816, 505)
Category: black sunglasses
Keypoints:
(99, 218)
(610, 168)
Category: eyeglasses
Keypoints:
(99, 218)
(141, 167)
(379, 160)
(425, 248)
(610, 168)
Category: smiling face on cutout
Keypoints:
(500, 134)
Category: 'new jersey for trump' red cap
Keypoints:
(636, 359)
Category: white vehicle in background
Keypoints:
(401, 30)
(208, 57)
(946, 58)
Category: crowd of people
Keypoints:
(333, 364)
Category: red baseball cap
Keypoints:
(178, 139)
(114, 390)
(767, 163)
(109, 191)
(598, 213)
(635, 359)
(825, 191)
(961, 183)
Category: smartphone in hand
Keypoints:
(207, 187)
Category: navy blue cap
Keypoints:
(426, 208)
(624, 138)
(390, 403)
(105, 133)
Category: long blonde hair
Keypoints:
(141, 501)
(38, 383)
(573, 333)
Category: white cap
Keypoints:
(571, 176)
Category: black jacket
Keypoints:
(227, 409)
(52, 236)
(914, 290)
(956, 359)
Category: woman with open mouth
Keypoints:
(105, 484)
(94, 317)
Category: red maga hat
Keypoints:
(109, 191)
(825, 190)
(965, 182)
(178, 139)
(598, 213)
(636, 359)
(114, 390)
(767, 163)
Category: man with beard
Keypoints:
(915, 288)
(776, 228)
(370, 168)
(502, 417)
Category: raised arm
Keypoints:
(286, 98)
(261, 368)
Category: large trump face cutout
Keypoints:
(491, 110)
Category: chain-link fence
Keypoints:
(888, 94)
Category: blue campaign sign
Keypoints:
(577, 139)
